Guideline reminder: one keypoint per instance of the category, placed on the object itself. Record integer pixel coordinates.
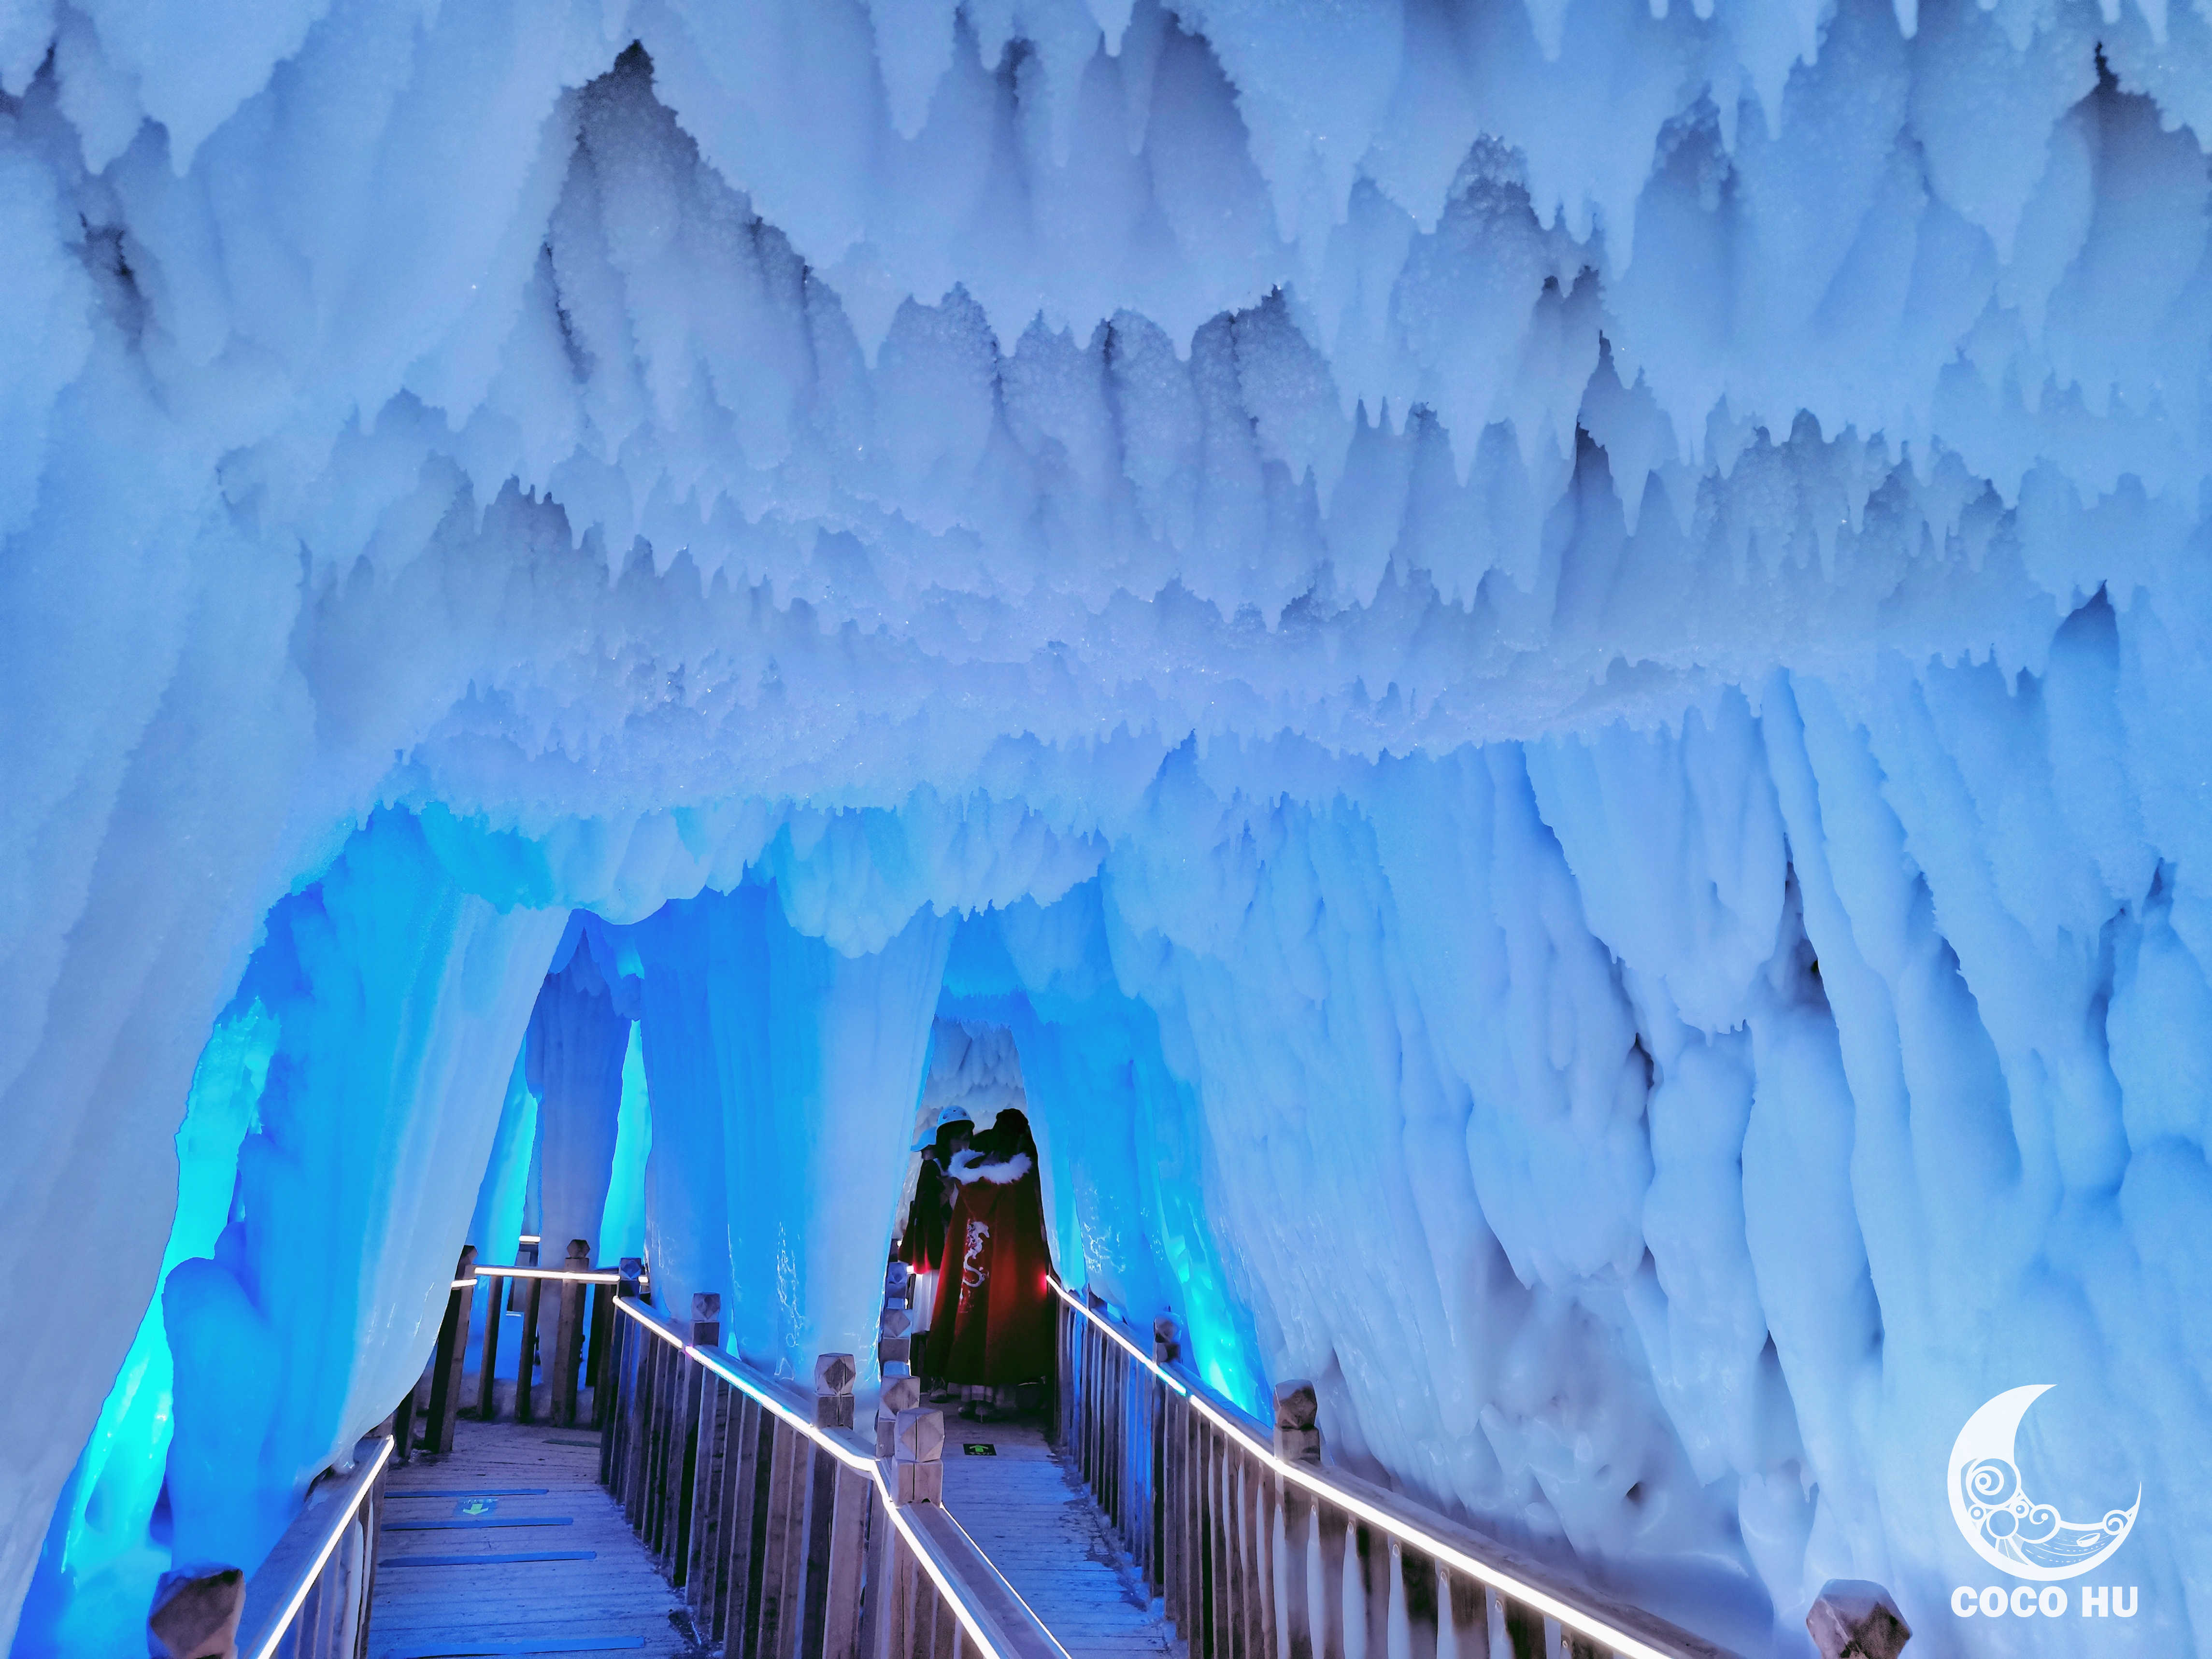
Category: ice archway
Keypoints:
(1553, 656)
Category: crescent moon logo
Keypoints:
(2003, 1524)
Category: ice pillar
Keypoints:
(782, 1076)
(577, 1042)
(401, 1001)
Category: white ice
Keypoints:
(1548, 661)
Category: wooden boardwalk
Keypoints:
(614, 1601)
(1032, 1516)
(510, 1490)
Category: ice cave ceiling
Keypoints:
(1550, 658)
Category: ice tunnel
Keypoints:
(1527, 678)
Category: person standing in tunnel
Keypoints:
(922, 1241)
(992, 1330)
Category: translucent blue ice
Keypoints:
(1547, 661)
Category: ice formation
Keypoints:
(1546, 660)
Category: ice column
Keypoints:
(577, 1041)
(401, 1001)
(782, 1076)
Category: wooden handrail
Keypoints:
(280, 1588)
(1601, 1622)
(995, 1620)
(1007, 1624)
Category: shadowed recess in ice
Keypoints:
(1547, 661)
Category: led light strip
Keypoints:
(853, 1461)
(1136, 1353)
(277, 1630)
(597, 1276)
(1622, 1643)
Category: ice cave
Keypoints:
(1506, 703)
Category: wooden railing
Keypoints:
(786, 1535)
(583, 1306)
(308, 1600)
(1223, 1517)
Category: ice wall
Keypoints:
(1479, 543)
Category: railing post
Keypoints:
(611, 1372)
(689, 1404)
(525, 1351)
(1852, 1618)
(446, 1369)
(1298, 1437)
(833, 1390)
(1167, 1348)
(1524, 1627)
(1297, 1504)
(488, 1356)
(705, 1330)
(918, 1454)
(403, 1425)
(195, 1614)
(568, 1334)
(599, 1327)
(894, 1347)
(901, 1394)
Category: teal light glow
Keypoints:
(97, 1568)
(622, 1226)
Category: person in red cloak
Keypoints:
(993, 1327)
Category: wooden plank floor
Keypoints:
(1040, 1527)
(574, 1606)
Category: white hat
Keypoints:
(949, 1115)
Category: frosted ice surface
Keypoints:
(1546, 664)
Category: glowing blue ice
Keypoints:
(1548, 662)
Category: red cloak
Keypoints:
(994, 1320)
